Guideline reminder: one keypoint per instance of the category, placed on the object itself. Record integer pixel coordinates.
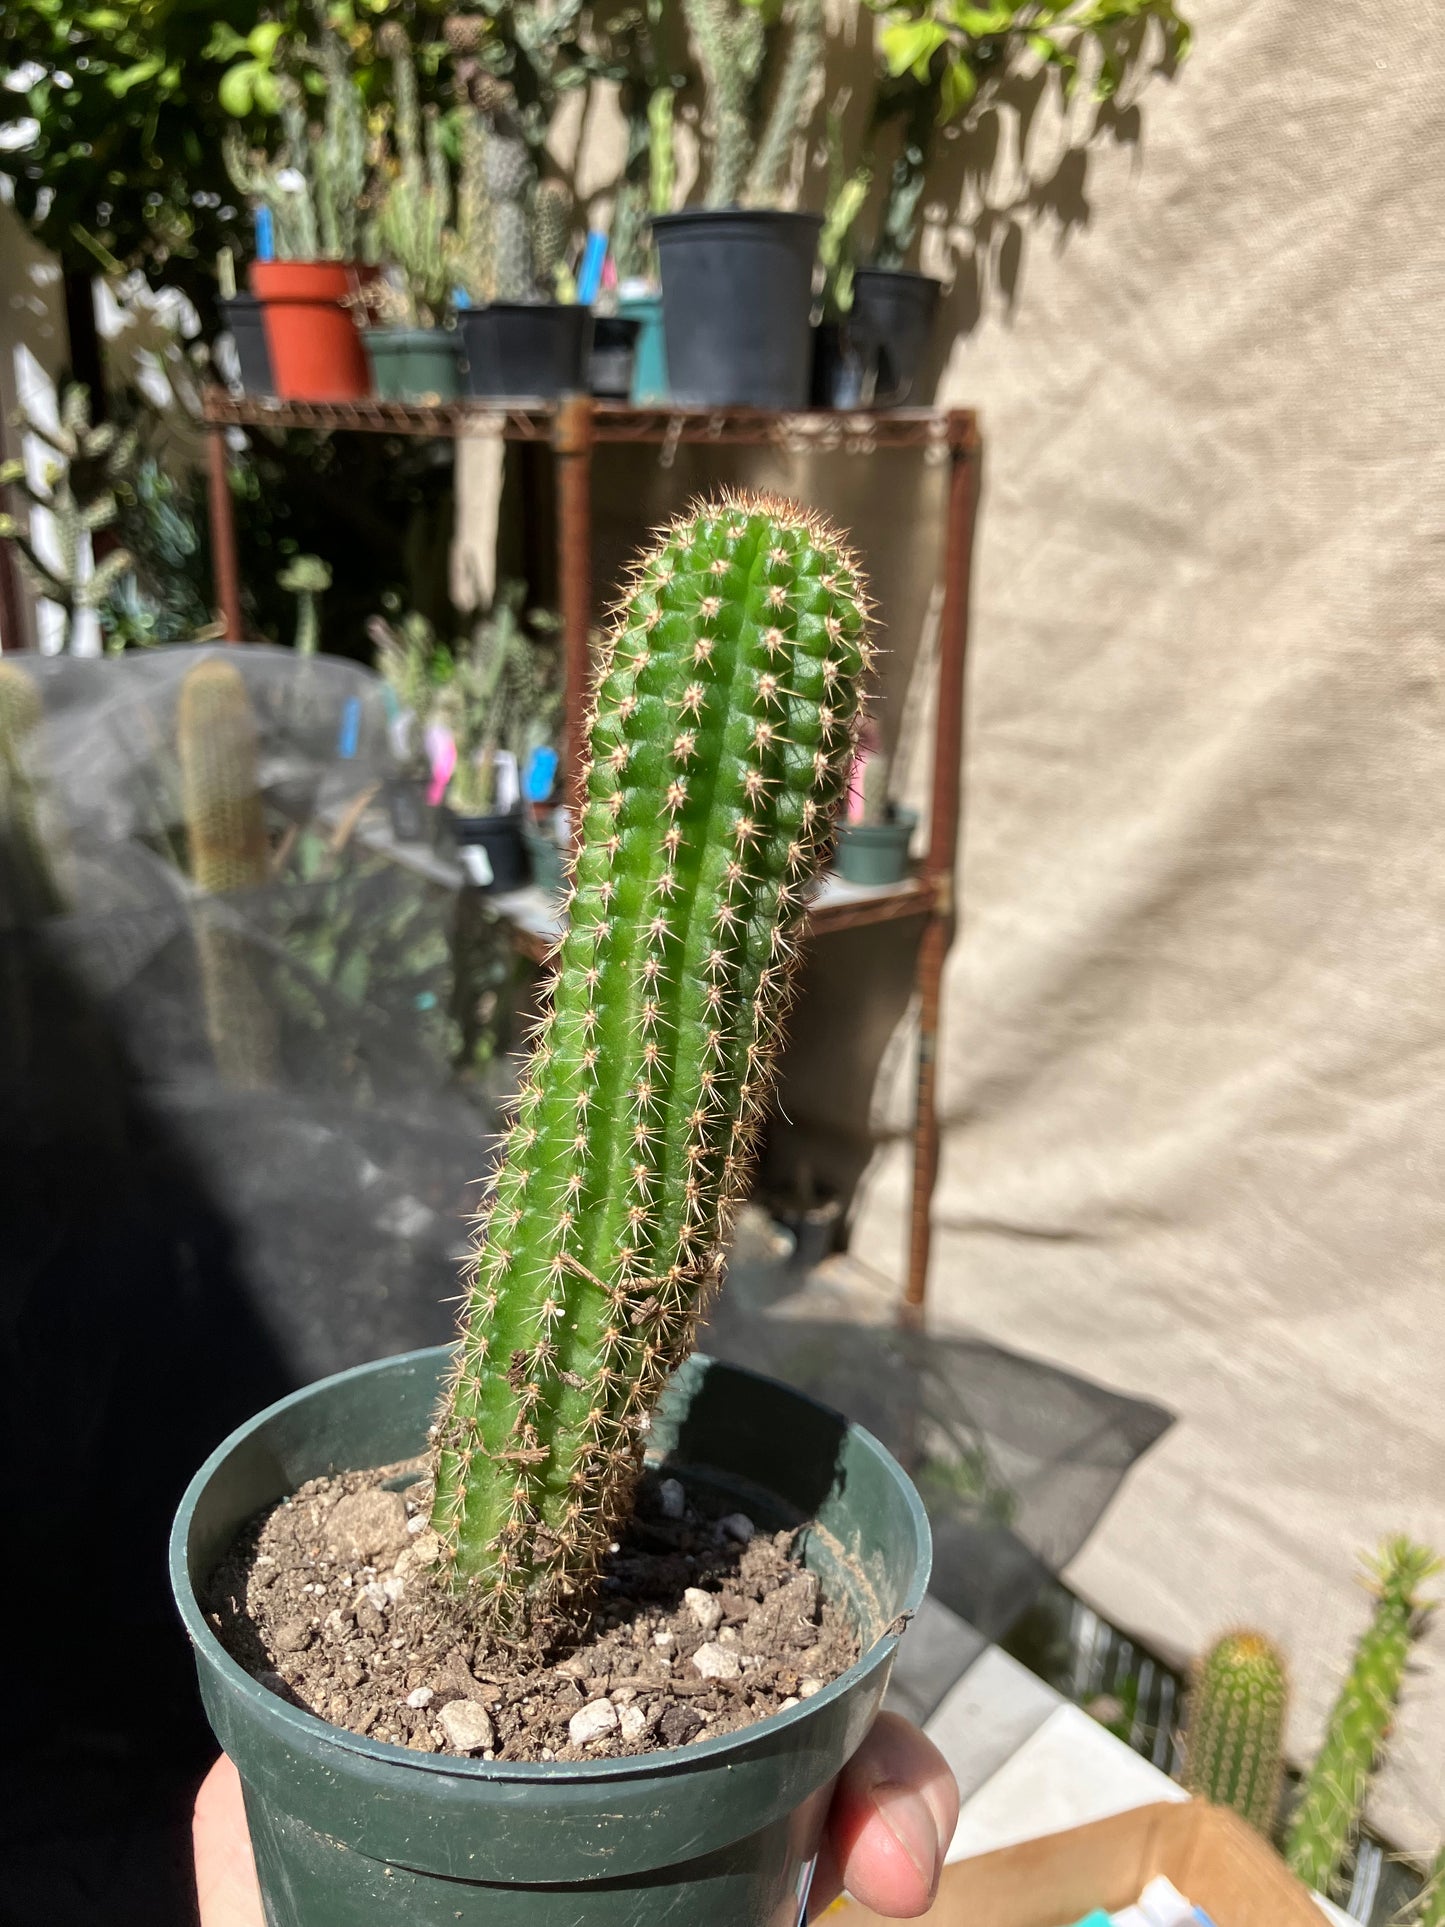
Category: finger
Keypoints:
(893, 1815)
(226, 1888)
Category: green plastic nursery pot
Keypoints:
(350, 1832)
(875, 853)
(413, 364)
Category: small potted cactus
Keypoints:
(583, 1477)
(413, 356)
(524, 334)
(312, 190)
(737, 274)
(640, 200)
(873, 839)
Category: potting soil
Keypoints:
(704, 1624)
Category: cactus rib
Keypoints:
(1332, 1799)
(1234, 1745)
(726, 709)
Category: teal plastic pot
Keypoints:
(875, 853)
(413, 364)
(350, 1832)
(649, 353)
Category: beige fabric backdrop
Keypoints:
(1196, 1015)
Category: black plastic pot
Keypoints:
(609, 367)
(244, 316)
(737, 285)
(500, 862)
(519, 350)
(895, 309)
(350, 1832)
(845, 365)
(412, 820)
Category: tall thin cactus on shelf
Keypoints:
(314, 185)
(90, 462)
(413, 230)
(218, 749)
(1234, 1732)
(725, 713)
(307, 577)
(749, 163)
(1327, 1819)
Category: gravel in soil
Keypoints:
(705, 1624)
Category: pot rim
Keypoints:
(901, 274)
(735, 212)
(384, 1753)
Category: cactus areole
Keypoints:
(725, 712)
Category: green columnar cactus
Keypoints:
(1234, 1734)
(220, 779)
(314, 185)
(28, 887)
(413, 226)
(747, 164)
(226, 839)
(476, 266)
(726, 707)
(510, 179)
(551, 231)
(78, 494)
(661, 149)
(308, 578)
(1332, 1799)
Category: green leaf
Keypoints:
(237, 91)
(909, 46)
(958, 89)
(123, 79)
(262, 40)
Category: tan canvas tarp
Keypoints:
(1195, 1044)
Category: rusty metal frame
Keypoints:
(574, 429)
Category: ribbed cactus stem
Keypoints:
(551, 231)
(28, 888)
(476, 260)
(661, 150)
(787, 117)
(1332, 1800)
(1234, 1737)
(725, 713)
(220, 779)
(509, 176)
(729, 50)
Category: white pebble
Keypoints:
(393, 1588)
(705, 1607)
(467, 1725)
(714, 1661)
(664, 1639)
(791, 1700)
(595, 1719)
(419, 1696)
(418, 1524)
(738, 1526)
(376, 1595)
(807, 1688)
(633, 1722)
(672, 1499)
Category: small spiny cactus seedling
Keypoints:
(217, 745)
(91, 462)
(28, 889)
(1332, 1799)
(308, 578)
(726, 707)
(551, 232)
(1234, 1735)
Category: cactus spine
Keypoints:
(28, 889)
(1431, 1911)
(1333, 1796)
(1234, 1740)
(226, 839)
(726, 707)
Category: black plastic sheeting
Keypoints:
(191, 1228)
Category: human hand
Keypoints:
(892, 1818)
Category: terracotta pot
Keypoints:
(311, 331)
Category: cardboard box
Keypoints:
(1212, 1857)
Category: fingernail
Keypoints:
(907, 1817)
